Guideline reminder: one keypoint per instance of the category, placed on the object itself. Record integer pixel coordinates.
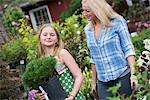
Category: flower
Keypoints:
(144, 60)
(142, 25)
(147, 44)
(76, 25)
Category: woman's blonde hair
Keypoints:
(59, 44)
(102, 10)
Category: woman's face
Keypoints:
(87, 12)
(48, 36)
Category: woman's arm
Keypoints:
(69, 61)
(94, 77)
(131, 62)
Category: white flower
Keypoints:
(78, 32)
(147, 44)
(14, 23)
(62, 31)
(140, 61)
(146, 52)
(76, 25)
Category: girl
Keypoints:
(69, 74)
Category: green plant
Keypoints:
(75, 8)
(138, 41)
(38, 71)
(12, 14)
(13, 51)
(86, 88)
(30, 40)
(137, 12)
(143, 76)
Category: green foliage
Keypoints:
(75, 8)
(38, 71)
(114, 89)
(29, 39)
(72, 33)
(11, 20)
(118, 2)
(13, 3)
(117, 96)
(86, 88)
(137, 12)
(142, 76)
(138, 41)
(13, 51)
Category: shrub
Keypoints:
(30, 40)
(38, 71)
(13, 51)
(12, 14)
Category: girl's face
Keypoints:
(48, 37)
(88, 13)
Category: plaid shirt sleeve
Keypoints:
(125, 39)
(92, 60)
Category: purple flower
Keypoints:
(32, 95)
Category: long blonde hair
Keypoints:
(59, 45)
(102, 10)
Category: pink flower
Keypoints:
(139, 24)
(146, 25)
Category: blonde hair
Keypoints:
(102, 10)
(59, 45)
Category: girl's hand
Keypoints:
(33, 94)
(40, 96)
(71, 97)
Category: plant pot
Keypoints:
(54, 89)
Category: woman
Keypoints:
(68, 72)
(111, 49)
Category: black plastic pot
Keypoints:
(54, 89)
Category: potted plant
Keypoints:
(41, 73)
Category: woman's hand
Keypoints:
(93, 84)
(134, 82)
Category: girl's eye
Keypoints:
(52, 34)
(44, 34)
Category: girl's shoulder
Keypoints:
(63, 53)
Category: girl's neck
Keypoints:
(49, 51)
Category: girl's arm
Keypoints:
(69, 61)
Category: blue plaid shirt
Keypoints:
(110, 51)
